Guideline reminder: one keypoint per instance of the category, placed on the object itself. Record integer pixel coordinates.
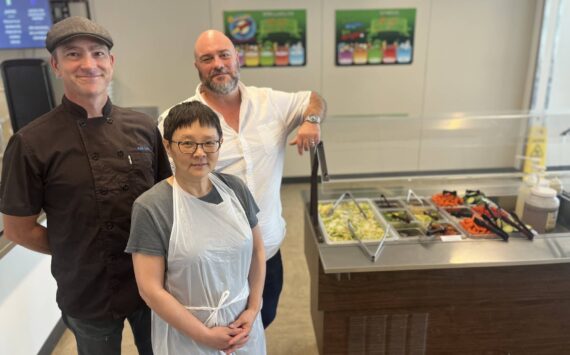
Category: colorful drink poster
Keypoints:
(373, 37)
(275, 38)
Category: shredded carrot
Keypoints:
(447, 200)
(469, 225)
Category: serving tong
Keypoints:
(491, 220)
(387, 202)
(487, 222)
(431, 230)
(341, 198)
(372, 255)
(413, 194)
(509, 218)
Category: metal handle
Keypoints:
(342, 197)
(413, 194)
(373, 256)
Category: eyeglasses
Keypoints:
(189, 147)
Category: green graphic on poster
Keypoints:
(372, 37)
(275, 38)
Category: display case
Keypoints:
(455, 270)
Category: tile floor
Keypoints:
(292, 332)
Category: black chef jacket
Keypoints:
(85, 174)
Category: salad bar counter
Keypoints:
(405, 267)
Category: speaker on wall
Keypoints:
(28, 90)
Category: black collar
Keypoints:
(80, 112)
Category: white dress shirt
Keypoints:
(256, 153)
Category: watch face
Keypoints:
(313, 119)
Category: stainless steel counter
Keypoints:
(462, 254)
(544, 249)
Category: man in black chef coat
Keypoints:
(83, 164)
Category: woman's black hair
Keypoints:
(186, 113)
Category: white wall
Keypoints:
(478, 55)
(154, 48)
(469, 56)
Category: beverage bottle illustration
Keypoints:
(297, 54)
(375, 52)
(344, 55)
(281, 54)
(251, 55)
(267, 57)
(390, 53)
(360, 55)
(404, 54)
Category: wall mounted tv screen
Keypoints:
(25, 23)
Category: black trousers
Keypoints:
(272, 288)
(97, 337)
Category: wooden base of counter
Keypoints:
(491, 310)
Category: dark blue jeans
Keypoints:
(96, 337)
(272, 288)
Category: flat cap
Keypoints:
(76, 26)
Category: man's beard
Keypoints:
(223, 88)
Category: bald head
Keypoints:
(212, 41)
(217, 63)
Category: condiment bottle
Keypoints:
(541, 209)
(524, 190)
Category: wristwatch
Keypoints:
(312, 119)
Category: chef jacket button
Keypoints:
(82, 123)
(95, 156)
(109, 225)
(120, 154)
(125, 187)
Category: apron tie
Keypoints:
(213, 318)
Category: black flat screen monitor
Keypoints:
(28, 90)
(25, 23)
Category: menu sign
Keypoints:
(273, 38)
(25, 23)
(373, 37)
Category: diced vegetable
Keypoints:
(447, 199)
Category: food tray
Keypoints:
(410, 231)
(399, 218)
(427, 215)
(448, 230)
(414, 210)
(458, 214)
(421, 202)
(388, 203)
(334, 225)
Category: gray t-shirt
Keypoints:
(153, 216)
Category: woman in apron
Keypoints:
(197, 251)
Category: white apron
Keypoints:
(209, 256)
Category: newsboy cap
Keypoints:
(76, 26)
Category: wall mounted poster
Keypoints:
(275, 38)
(372, 37)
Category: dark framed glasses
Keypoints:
(189, 147)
